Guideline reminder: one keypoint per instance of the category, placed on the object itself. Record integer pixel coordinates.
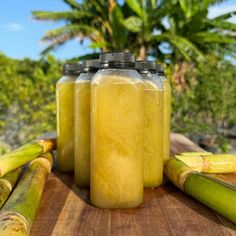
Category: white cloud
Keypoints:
(14, 26)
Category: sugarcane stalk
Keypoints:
(25, 154)
(215, 194)
(213, 163)
(19, 212)
(7, 184)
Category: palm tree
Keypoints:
(99, 21)
(173, 30)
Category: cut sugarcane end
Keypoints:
(195, 154)
(47, 145)
(42, 161)
(194, 162)
(13, 224)
(220, 163)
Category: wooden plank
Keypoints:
(65, 210)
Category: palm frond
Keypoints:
(164, 9)
(188, 50)
(73, 4)
(48, 49)
(213, 37)
(220, 24)
(72, 30)
(119, 32)
(189, 8)
(225, 16)
(136, 7)
(206, 3)
(60, 16)
(89, 56)
(133, 24)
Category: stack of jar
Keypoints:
(113, 127)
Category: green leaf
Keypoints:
(164, 9)
(71, 30)
(189, 7)
(136, 7)
(211, 37)
(73, 4)
(99, 45)
(59, 16)
(118, 30)
(220, 24)
(225, 16)
(133, 23)
(86, 57)
(186, 47)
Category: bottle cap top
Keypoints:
(90, 65)
(160, 69)
(73, 69)
(117, 60)
(146, 67)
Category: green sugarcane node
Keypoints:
(5, 190)
(13, 224)
(19, 157)
(13, 176)
(177, 171)
(216, 194)
(25, 199)
(7, 183)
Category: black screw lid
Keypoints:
(73, 69)
(160, 69)
(90, 65)
(122, 60)
(144, 67)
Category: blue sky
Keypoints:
(20, 35)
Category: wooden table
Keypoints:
(65, 210)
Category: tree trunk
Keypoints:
(142, 53)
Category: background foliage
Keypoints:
(175, 32)
(27, 101)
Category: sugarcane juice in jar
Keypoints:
(82, 123)
(153, 134)
(167, 116)
(116, 139)
(65, 119)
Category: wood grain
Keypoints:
(65, 210)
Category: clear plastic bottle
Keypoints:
(65, 117)
(82, 122)
(116, 179)
(167, 112)
(153, 124)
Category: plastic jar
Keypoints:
(65, 117)
(116, 133)
(82, 122)
(153, 124)
(167, 112)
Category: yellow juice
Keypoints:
(153, 134)
(65, 124)
(167, 113)
(82, 132)
(116, 142)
